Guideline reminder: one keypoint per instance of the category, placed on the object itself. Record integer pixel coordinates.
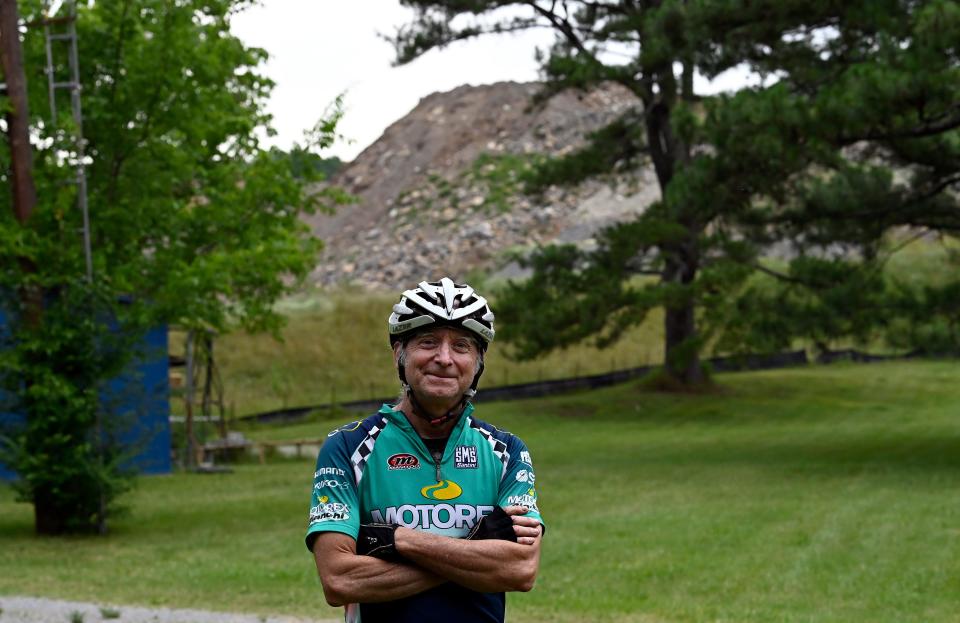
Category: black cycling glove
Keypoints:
(376, 539)
(495, 525)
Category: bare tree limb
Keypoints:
(563, 26)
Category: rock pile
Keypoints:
(431, 190)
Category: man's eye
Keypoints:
(462, 347)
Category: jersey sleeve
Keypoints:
(334, 502)
(518, 485)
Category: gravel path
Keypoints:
(41, 610)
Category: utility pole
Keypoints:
(18, 117)
(18, 132)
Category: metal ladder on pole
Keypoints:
(68, 36)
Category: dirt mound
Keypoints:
(428, 193)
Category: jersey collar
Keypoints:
(397, 417)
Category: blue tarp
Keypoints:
(139, 401)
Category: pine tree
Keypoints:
(849, 133)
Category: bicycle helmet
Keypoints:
(447, 304)
(443, 303)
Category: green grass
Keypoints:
(812, 494)
(335, 348)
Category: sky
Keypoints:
(322, 48)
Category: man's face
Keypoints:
(440, 364)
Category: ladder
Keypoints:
(67, 35)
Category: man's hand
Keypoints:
(377, 540)
(507, 524)
(495, 525)
(507, 559)
(526, 529)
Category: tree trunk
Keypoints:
(23, 191)
(681, 259)
(682, 356)
(681, 348)
(46, 516)
(18, 116)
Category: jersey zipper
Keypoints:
(436, 462)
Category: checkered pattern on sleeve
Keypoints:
(365, 449)
(499, 448)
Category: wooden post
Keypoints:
(18, 117)
(192, 458)
(18, 133)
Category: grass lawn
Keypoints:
(334, 348)
(813, 494)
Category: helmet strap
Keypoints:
(454, 412)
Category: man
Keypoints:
(422, 512)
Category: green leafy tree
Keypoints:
(193, 223)
(850, 134)
(304, 163)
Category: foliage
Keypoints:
(307, 165)
(304, 163)
(192, 222)
(851, 133)
(500, 177)
(820, 300)
(69, 457)
(616, 147)
(829, 301)
(732, 506)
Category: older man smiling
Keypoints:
(421, 512)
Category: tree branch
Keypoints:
(563, 26)
(779, 275)
(936, 190)
(409, 44)
(917, 236)
(949, 120)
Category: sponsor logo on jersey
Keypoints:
(329, 471)
(443, 490)
(526, 476)
(325, 510)
(426, 516)
(525, 457)
(403, 461)
(525, 501)
(332, 484)
(529, 500)
(465, 457)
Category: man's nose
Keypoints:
(444, 353)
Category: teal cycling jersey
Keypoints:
(379, 470)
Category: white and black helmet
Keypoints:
(441, 303)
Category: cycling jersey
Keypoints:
(379, 470)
